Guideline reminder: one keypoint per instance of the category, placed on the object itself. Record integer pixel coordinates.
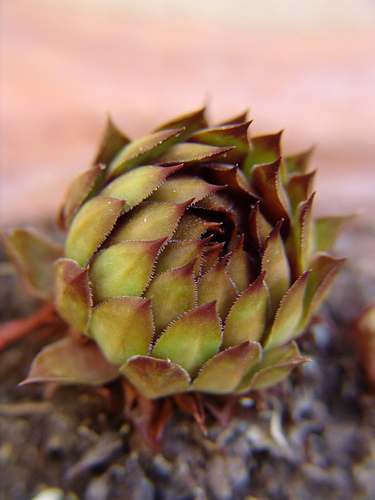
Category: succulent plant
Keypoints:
(191, 262)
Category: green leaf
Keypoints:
(299, 188)
(192, 339)
(142, 151)
(72, 293)
(137, 184)
(72, 360)
(189, 152)
(149, 221)
(33, 255)
(239, 268)
(276, 266)
(298, 162)
(155, 378)
(259, 227)
(189, 122)
(113, 141)
(173, 293)
(183, 188)
(90, 226)
(79, 191)
(328, 229)
(123, 269)
(273, 368)
(288, 315)
(222, 373)
(217, 286)
(231, 176)
(179, 253)
(248, 316)
(265, 149)
(122, 327)
(192, 227)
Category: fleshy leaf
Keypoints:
(267, 181)
(274, 367)
(149, 221)
(232, 177)
(137, 184)
(239, 268)
(289, 314)
(183, 188)
(211, 256)
(142, 151)
(265, 149)
(123, 269)
(122, 327)
(276, 266)
(155, 378)
(217, 286)
(222, 373)
(113, 141)
(192, 339)
(173, 293)
(192, 227)
(259, 227)
(298, 162)
(299, 188)
(72, 360)
(78, 192)
(324, 271)
(248, 316)
(33, 256)
(227, 135)
(189, 152)
(90, 226)
(179, 253)
(72, 293)
(241, 118)
(189, 122)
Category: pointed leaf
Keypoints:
(232, 177)
(259, 227)
(149, 221)
(265, 149)
(33, 255)
(155, 378)
(192, 227)
(298, 162)
(324, 271)
(90, 226)
(173, 293)
(276, 266)
(249, 315)
(306, 222)
(113, 141)
(72, 293)
(123, 269)
(239, 268)
(274, 367)
(222, 373)
(72, 360)
(183, 188)
(217, 286)
(211, 255)
(192, 339)
(179, 253)
(78, 192)
(189, 122)
(328, 229)
(299, 188)
(267, 182)
(241, 118)
(189, 152)
(137, 184)
(142, 151)
(289, 314)
(122, 328)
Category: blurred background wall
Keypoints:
(305, 66)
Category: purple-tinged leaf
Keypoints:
(155, 378)
(123, 269)
(173, 293)
(72, 293)
(183, 188)
(189, 122)
(241, 118)
(192, 339)
(142, 151)
(179, 253)
(112, 143)
(248, 316)
(192, 227)
(33, 255)
(222, 373)
(289, 315)
(189, 152)
(259, 227)
(265, 149)
(240, 268)
(72, 360)
(122, 327)
(299, 188)
(90, 226)
(298, 162)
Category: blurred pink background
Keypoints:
(307, 67)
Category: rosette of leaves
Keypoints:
(191, 262)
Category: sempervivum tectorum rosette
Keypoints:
(191, 262)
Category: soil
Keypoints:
(313, 437)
